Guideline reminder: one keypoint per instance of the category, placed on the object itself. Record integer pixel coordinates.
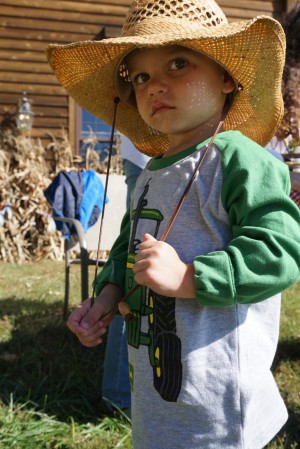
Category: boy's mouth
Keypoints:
(160, 107)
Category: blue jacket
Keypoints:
(76, 194)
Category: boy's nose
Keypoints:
(157, 86)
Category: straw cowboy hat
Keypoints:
(253, 53)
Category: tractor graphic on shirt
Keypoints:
(164, 346)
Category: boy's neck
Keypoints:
(180, 143)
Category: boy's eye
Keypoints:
(141, 78)
(178, 64)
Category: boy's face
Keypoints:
(179, 92)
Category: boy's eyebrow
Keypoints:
(172, 50)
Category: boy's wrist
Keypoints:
(188, 288)
(111, 294)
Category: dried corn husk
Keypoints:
(27, 230)
(25, 215)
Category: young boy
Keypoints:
(203, 327)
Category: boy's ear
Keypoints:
(228, 83)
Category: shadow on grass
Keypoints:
(287, 350)
(290, 432)
(43, 362)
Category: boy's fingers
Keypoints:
(92, 339)
(148, 237)
(92, 343)
(85, 322)
(76, 317)
(73, 323)
(148, 242)
(92, 319)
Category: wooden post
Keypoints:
(72, 125)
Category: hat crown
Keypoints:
(193, 13)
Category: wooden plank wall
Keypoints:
(245, 9)
(28, 26)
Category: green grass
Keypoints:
(49, 383)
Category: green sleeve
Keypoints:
(114, 269)
(263, 256)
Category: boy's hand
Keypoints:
(88, 322)
(158, 267)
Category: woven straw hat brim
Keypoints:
(252, 52)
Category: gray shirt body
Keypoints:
(201, 375)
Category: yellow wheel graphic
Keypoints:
(158, 369)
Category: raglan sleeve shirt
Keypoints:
(263, 256)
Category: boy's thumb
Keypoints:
(149, 237)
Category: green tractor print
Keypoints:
(164, 346)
